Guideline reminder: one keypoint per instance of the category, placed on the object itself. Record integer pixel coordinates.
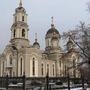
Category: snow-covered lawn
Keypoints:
(78, 89)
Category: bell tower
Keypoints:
(19, 29)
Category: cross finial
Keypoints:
(52, 19)
(20, 4)
(35, 37)
(52, 24)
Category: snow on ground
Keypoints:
(78, 89)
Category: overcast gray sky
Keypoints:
(66, 13)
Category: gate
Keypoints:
(9, 83)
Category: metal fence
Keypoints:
(44, 83)
(9, 83)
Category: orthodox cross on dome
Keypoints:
(20, 4)
(35, 37)
(52, 19)
(52, 24)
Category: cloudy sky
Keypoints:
(66, 13)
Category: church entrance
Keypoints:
(9, 72)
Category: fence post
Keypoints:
(82, 79)
(24, 79)
(68, 81)
(47, 82)
(6, 82)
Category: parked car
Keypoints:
(12, 85)
(15, 85)
(2, 88)
(36, 83)
(20, 84)
(59, 83)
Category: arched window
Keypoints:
(10, 60)
(33, 67)
(14, 32)
(48, 42)
(22, 18)
(3, 69)
(65, 70)
(74, 70)
(23, 32)
(53, 69)
(48, 68)
(10, 72)
(60, 63)
(21, 66)
(42, 69)
(15, 18)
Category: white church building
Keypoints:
(21, 57)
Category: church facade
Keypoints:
(20, 57)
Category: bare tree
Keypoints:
(81, 37)
(88, 4)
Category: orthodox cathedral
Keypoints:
(20, 57)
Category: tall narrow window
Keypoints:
(21, 66)
(14, 32)
(33, 63)
(42, 69)
(15, 18)
(23, 32)
(48, 42)
(10, 59)
(74, 70)
(3, 69)
(53, 70)
(60, 63)
(10, 72)
(48, 68)
(65, 68)
(22, 18)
